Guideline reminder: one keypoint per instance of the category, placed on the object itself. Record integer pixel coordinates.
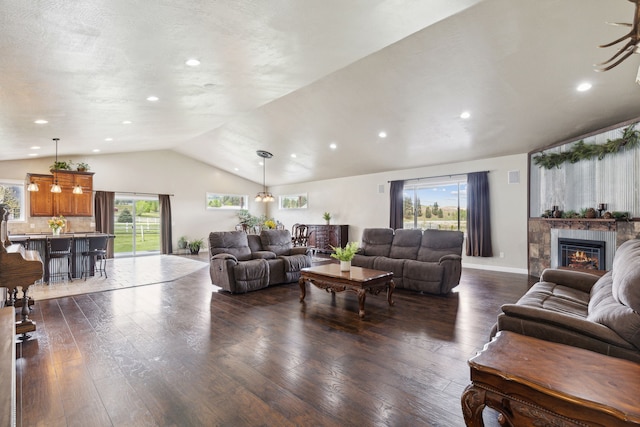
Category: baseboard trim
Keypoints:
(496, 268)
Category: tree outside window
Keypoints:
(12, 195)
(439, 204)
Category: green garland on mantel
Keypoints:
(581, 151)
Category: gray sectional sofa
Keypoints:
(584, 310)
(241, 262)
(429, 261)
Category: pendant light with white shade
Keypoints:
(264, 196)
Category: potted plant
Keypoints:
(82, 167)
(327, 217)
(61, 165)
(182, 242)
(194, 246)
(345, 255)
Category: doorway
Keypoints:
(136, 222)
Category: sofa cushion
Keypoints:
(423, 276)
(606, 310)
(255, 244)
(363, 261)
(276, 241)
(626, 274)
(437, 243)
(406, 244)
(376, 241)
(251, 275)
(230, 242)
(390, 264)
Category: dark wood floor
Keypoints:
(182, 354)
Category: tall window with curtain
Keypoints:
(479, 215)
(396, 215)
(436, 203)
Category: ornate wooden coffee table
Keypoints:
(358, 280)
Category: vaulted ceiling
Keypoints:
(292, 77)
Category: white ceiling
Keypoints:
(293, 76)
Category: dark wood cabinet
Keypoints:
(66, 203)
(322, 237)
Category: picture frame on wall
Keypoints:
(219, 201)
(294, 201)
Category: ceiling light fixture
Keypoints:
(583, 87)
(41, 122)
(382, 134)
(465, 115)
(152, 98)
(55, 188)
(77, 189)
(333, 146)
(192, 62)
(264, 196)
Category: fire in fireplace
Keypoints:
(581, 254)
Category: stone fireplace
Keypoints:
(580, 254)
(544, 234)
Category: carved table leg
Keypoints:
(390, 289)
(26, 324)
(473, 402)
(362, 296)
(303, 289)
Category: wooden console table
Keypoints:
(531, 382)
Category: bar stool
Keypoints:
(58, 248)
(94, 259)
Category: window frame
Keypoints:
(244, 204)
(22, 198)
(414, 185)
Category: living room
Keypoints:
(178, 350)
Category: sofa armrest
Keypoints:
(299, 250)
(224, 256)
(450, 257)
(563, 321)
(573, 279)
(263, 255)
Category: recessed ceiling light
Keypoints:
(382, 134)
(152, 98)
(293, 155)
(96, 150)
(465, 115)
(236, 169)
(41, 122)
(192, 62)
(333, 146)
(126, 122)
(108, 139)
(583, 87)
(35, 147)
(33, 154)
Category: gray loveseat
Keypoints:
(584, 310)
(241, 262)
(428, 261)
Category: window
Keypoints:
(436, 203)
(12, 195)
(226, 201)
(294, 201)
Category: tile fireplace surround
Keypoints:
(541, 231)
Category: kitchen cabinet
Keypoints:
(66, 203)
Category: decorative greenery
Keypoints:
(326, 216)
(347, 253)
(182, 242)
(270, 224)
(247, 219)
(82, 166)
(61, 165)
(581, 151)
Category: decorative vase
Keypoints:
(345, 265)
(56, 231)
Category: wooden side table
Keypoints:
(532, 382)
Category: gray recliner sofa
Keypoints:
(429, 261)
(584, 310)
(241, 262)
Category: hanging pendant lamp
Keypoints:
(55, 188)
(264, 196)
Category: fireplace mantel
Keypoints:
(582, 223)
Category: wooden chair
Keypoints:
(94, 259)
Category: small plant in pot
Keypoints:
(327, 217)
(82, 167)
(345, 255)
(194, 246)
(182, 242)
(61, 166)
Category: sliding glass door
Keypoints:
(137, 225)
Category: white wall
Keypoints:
(352, 200)
(356, 201)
